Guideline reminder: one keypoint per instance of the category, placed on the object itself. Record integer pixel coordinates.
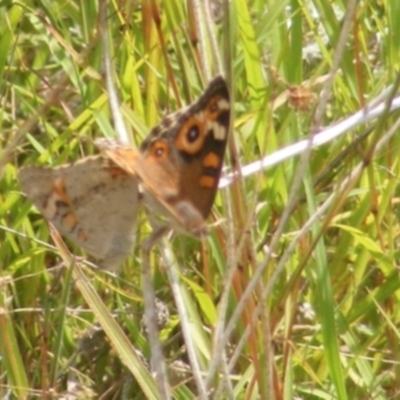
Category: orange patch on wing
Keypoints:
(123, 158)
(207, 181)
(82, 235)
(211, 160)
(160, 150)
(69, 221)
(115, 171)
(59, 189)
(183, 144)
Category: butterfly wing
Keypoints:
(92, 202)
(161, 183)
(179, 164)
(199, 143)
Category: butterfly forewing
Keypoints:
(190, 146)
(201, 142)
(92, 202)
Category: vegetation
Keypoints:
(322, 230)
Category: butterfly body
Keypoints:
(178, 165)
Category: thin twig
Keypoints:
(337, 57)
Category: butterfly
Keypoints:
(176, 172)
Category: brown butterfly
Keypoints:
(94, 201)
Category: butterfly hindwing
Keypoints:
(92, 202)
